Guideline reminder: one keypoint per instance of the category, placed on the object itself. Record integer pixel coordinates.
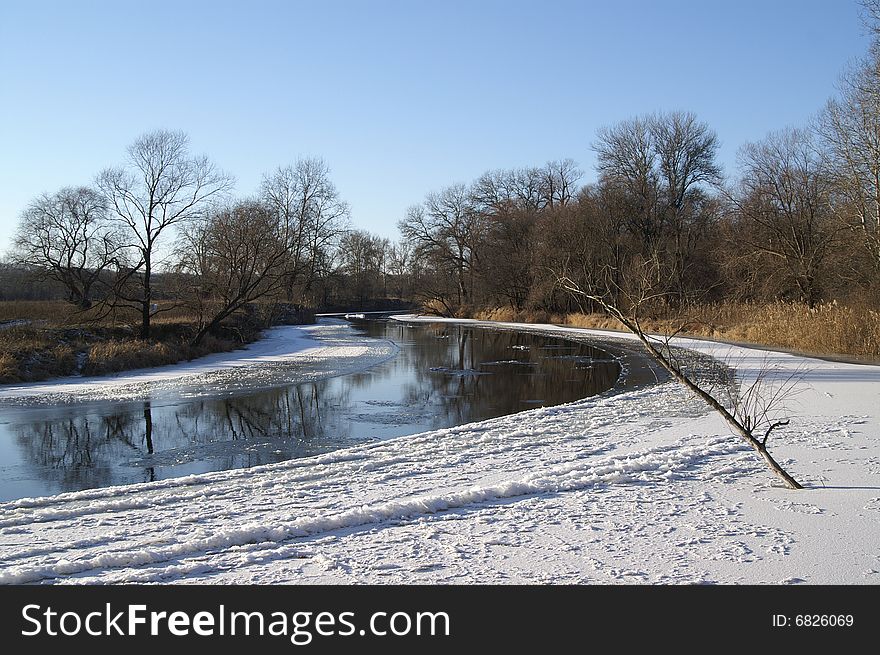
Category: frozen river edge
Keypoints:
(640, 486)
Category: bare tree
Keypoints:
(784, 203)
(363, 258)
(850, 128)
(311, 214)
(871, 15)
(509, 204)
(501, 190)
(661, 165)
(66, 237)
(686, 153)
(748, 414)
(235, 256)
(506, 255)
(627, 162)
(399, 264)
(445, 230)
(160, 186)
(531, 189)
(559, 182)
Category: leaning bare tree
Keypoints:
(747, 414)
(160, 186)
(66, 237)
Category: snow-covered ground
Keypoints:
(304, 351)
(632, 486)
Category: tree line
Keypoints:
(168, 215)
(799, 222)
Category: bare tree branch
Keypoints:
(744, 426)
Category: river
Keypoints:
(442, 375)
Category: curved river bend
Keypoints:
(443, 375)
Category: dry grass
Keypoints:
(31, 353)
(435, 308)
(59, 341)
(829, 329)
(8, 367)
(825, 329)
(58, 312)
(116, 355)
(120, 355)
(36, 310)
(28, 353)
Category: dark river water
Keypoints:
(443, 375)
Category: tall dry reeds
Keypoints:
(828, 329)
(116, 355)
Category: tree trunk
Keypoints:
(148, 298)
(760, 448)
(201, 333)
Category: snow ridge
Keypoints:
(665, 462)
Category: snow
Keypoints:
(632, 486)
(260, 364)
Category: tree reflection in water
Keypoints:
(444, 375)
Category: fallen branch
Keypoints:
(631, 323)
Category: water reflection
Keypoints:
(443, 376)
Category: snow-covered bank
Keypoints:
(328, 349)
(639, 486)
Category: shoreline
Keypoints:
(642, 486)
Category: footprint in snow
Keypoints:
(873, 504)
(800, 508)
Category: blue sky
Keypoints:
(400, 98)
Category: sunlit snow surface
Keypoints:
(641, 486)
(285, 353)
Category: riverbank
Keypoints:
(830, 329)
(41, 340)
(300, 345)
(633, 486)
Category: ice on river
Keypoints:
(284, 352)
